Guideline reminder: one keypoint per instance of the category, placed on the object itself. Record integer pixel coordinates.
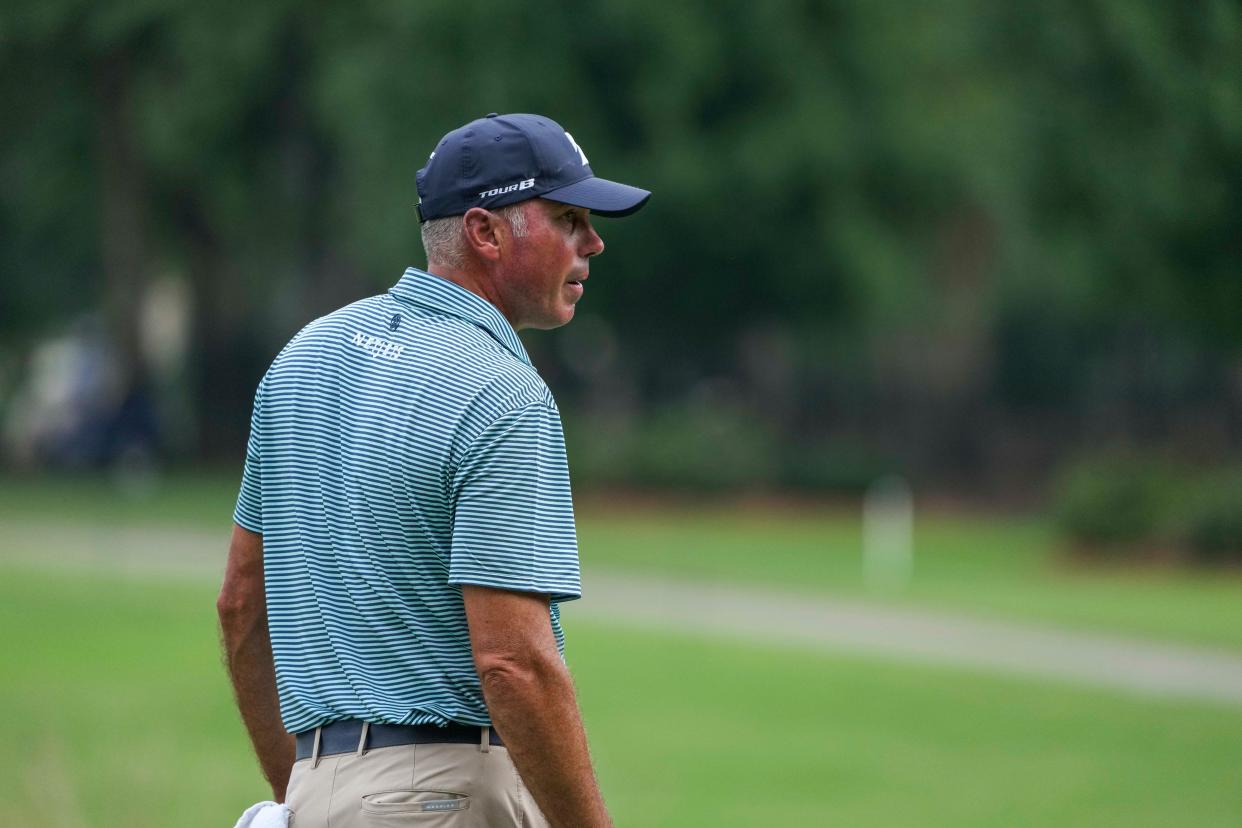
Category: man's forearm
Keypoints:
(537, 714)
(248, 654)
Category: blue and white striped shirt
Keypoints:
(400, 447)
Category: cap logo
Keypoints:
(577, 149)
(508, 188)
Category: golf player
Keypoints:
(405, 532)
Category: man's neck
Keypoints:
(474, 281)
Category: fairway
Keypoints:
(1001, 567)
(991, 566)
(117, 707)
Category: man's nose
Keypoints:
(594, 244)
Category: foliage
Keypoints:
(1214, 519)
(695, 446)
(1113, 503)
(1130, 507)
(972, 201)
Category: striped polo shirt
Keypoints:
(400, 447)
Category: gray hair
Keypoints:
(445, 243)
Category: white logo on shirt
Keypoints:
(378, 347)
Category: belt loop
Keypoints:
(315, 749)
(485, 743)
(362, 740)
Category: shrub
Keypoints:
(1112, 504)
(690, 447)
(1213, 520)
(838, 466)
(702, 448)
(1130, 507)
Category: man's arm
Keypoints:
(531, 700)
(242, 607)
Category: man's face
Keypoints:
(544, 270)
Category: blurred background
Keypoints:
(935, 309)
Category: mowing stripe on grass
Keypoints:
(775, 617)
(766, 616)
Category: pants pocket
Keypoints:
(418, 806)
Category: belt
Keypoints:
(344, 737)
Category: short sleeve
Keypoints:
(249, 511)
(513, 521)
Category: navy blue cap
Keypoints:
(503, 159)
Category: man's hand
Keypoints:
(531, 700)
(242, 607)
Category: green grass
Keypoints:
(117, 712)
(738, 736)
(996, 566)
(200, 501)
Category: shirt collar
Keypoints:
(430, 291)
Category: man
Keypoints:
(405, 531)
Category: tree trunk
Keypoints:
(225, 356)
(123, 222)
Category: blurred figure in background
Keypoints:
(78, 410)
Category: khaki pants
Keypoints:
(423, 786)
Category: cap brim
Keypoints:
(601, 196)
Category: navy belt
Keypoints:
(343, 737)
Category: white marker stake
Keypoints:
(888, 535)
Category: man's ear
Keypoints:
(483, 232)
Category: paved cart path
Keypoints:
(771, 616)
(762, 616)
